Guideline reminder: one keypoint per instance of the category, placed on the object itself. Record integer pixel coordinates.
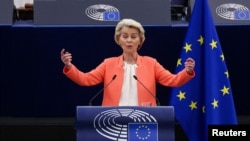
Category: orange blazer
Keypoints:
(148, 71)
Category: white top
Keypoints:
(21, 3)
(129, 95)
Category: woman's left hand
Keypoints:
(189, 65)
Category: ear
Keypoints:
(138, 48)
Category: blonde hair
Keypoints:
(131, 24)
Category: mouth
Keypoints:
(129, 46)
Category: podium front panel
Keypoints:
(101, 12)
(125, 123)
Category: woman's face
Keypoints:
(129, 39)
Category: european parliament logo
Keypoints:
(120, 124)
(233, 11)
(142, 132)
(103, 12)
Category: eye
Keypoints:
(125, 36)
(134, 36)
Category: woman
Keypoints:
(129, 79)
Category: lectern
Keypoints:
(129, 123)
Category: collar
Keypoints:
(138, 61)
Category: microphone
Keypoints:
(91, 100)
(157, 101)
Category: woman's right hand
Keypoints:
(66, 58)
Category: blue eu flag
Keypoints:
(111, 16)
(242, 15)
(142, 132)
(207, 99)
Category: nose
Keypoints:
(129, 39)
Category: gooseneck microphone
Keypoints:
(99, 92)
(157, 101)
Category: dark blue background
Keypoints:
(32, 82)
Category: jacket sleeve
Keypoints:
(166, 78)
(81, 78)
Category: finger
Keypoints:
(190, 60)
(62, 51)
(67, 56)
(189, 64)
